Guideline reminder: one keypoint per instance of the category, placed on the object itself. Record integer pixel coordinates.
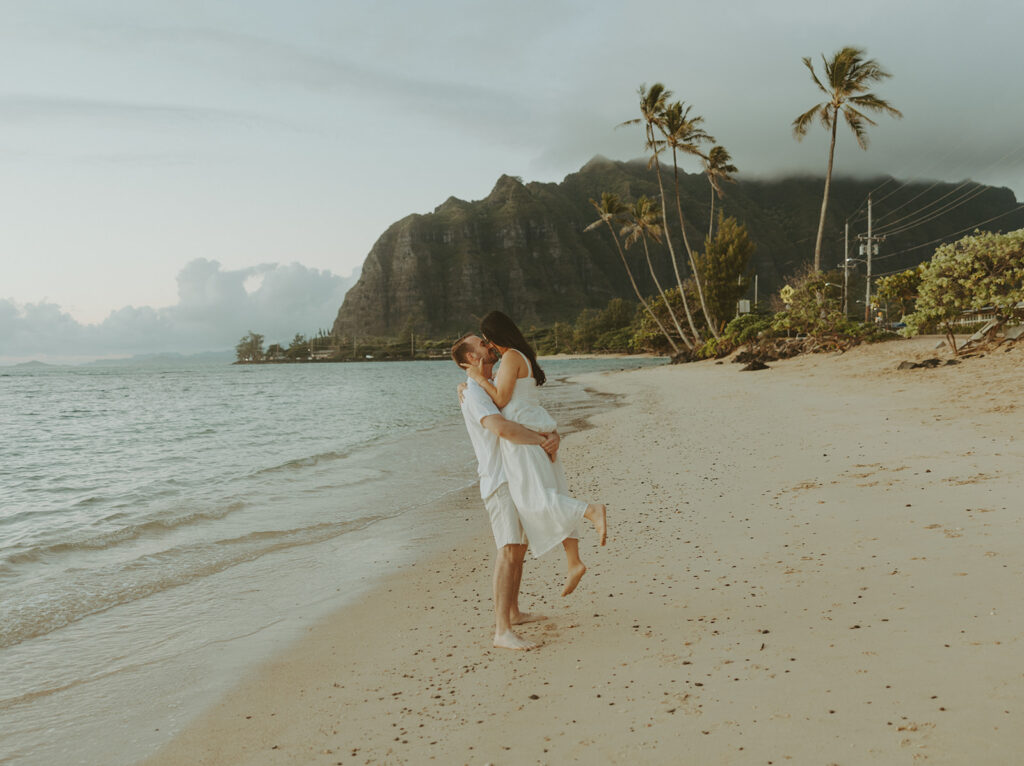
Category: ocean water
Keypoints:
(163, 528)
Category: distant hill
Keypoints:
(523, 248)
(166, 358)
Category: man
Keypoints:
(486, 426)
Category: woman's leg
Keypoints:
(597, 515)
(574, 564)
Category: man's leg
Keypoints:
(506, 579)
(515, 617)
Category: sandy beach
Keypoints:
(819, 563)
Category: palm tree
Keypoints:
(718, 168)
(643, 222)
(684, 134)
(848, 75)
(652, 107)
(611, 211)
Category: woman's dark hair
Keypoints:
(499, 329)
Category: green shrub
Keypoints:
(746, 327)
(708, 349)
(617, 341)
(979, 271)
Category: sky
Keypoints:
(173, 175)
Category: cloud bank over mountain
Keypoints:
(215, 308)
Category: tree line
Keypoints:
(688, 316)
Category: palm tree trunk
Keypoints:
(632, 281)
(689, 252)
(824, 198)
(668, 306)
(711, 222)
(668, 239)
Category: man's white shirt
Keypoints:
(476, 405)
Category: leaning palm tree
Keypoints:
(645, 221)
(848, 75)
(684, 133)
(718, 168)
(652, 107)
(611, 211)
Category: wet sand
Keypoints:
(819, 563)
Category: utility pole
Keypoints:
(846, 267)
(868, 249)
(867, 294)
(755, 290)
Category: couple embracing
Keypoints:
(521, 479)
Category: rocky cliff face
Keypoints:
(523, 248)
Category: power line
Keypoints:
(920, 194)
(889, 273)
(863, 202)
(951, 205)
(907, 183)
(952, 234)
(998, 162)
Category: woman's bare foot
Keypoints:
(575, 575)
(524, 617)
(509, 640)
(597, 515)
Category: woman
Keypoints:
(537, 484)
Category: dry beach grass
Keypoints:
(818, 563)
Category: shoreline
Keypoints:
(444, 357)
(842, 601)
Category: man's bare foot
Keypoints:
(524, 617)
(509, 640)
(597, 515)
(575, 575)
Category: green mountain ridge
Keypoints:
(523, 248)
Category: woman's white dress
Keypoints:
(538, 486)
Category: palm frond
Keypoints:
(827, 115)
(837, 69)
(683, 132)
(611, 203)
(856, 122)
(657, 144)
(865, 72)
(652, 102)
(609, 209)
(718, 167)
(803, 122)
(631, 234)
(860, 115)
(814, 76)
(875, 104)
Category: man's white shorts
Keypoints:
(504, 518)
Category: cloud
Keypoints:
(213, 311)
(42, 108)
(379, 84)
